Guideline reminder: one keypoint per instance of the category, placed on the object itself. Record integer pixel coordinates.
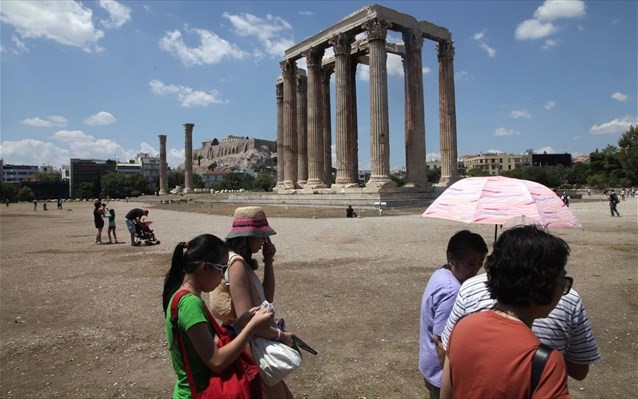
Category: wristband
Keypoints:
(278, 335)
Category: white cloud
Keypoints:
(76, 144)
(520, 113)
(102, 118)
(433, 156)
(501, 131)
(33, 152)
(270, 31)
(482, 41)
(212, 49)
(426, 70)
(186, 96)
(394, 66)
(534, 29)
(493, 151)
(541, 25)
(547, 149)
(549, 43)
(72, 136)
(615, 126)
(555, 9)
(618, 96)
(119, 13)
(65, 22)
(463, 75)
(307, 13)
(50, 121)
(550, 104)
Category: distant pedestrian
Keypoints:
(111, 217)
(35, 205)
(622, 194)
(7, 202)
(60, 203)
(565, 198)
(589, 192)
(350, 213)
(613, 201)
(44, 206)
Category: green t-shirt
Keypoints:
(190, 312)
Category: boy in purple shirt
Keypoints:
(465, 254)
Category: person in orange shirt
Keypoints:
(526, 275)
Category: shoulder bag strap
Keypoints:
(538, 364)
(182, 346)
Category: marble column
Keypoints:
(289, 72)
(163, 178)
(353, 132)
(447, 114)
(302, 128)
(315, 119)
(188, 163)
(279, 92)
(379, 125)
(416, 175)
(342, 44)
(327, 124)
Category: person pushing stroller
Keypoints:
(139, 228)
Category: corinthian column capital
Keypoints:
(377, 29)
(314, 56)
(445, 50)
(288, 68)
(413, 40)
(341, 44)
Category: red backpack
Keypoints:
(239, 381)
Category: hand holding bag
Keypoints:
(240, 380)
(275, 359)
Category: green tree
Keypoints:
(198, 181)
(48, 177)
(175, 178)
(25, 194)
(139, 185)
(115, 185)
(86, 190)
(264, 181)
(628, 154)
(475, 172)
(434, 174)
(8, 191)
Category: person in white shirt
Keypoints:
(566, 328)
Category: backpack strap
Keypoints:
(538, 364)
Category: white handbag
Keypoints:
(275, 359)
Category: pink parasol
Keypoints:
(496, 199)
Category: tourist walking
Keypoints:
(526, 274)
(197, 266)
(98, 220)
(242, 289)
(613, 201)
(465, 254)
(35, 205)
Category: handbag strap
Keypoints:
(182, 347)
(538, 364)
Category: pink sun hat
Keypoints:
(250, 221)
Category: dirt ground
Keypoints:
(78, 320)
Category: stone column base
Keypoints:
(289, 185)
(447, 181)
(162, 192)
(379, 185)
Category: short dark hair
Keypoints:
(463, 243)
(524, 266)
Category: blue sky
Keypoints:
(102, 79)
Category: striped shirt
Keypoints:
(566, 328)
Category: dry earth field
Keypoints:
(80, 320)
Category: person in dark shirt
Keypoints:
(133, 218)
(350, 213)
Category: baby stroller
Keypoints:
(144, 233)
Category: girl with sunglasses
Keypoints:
(197, 266)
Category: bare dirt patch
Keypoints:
(78, 320)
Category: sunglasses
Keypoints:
(217, 266)
(567, 283)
